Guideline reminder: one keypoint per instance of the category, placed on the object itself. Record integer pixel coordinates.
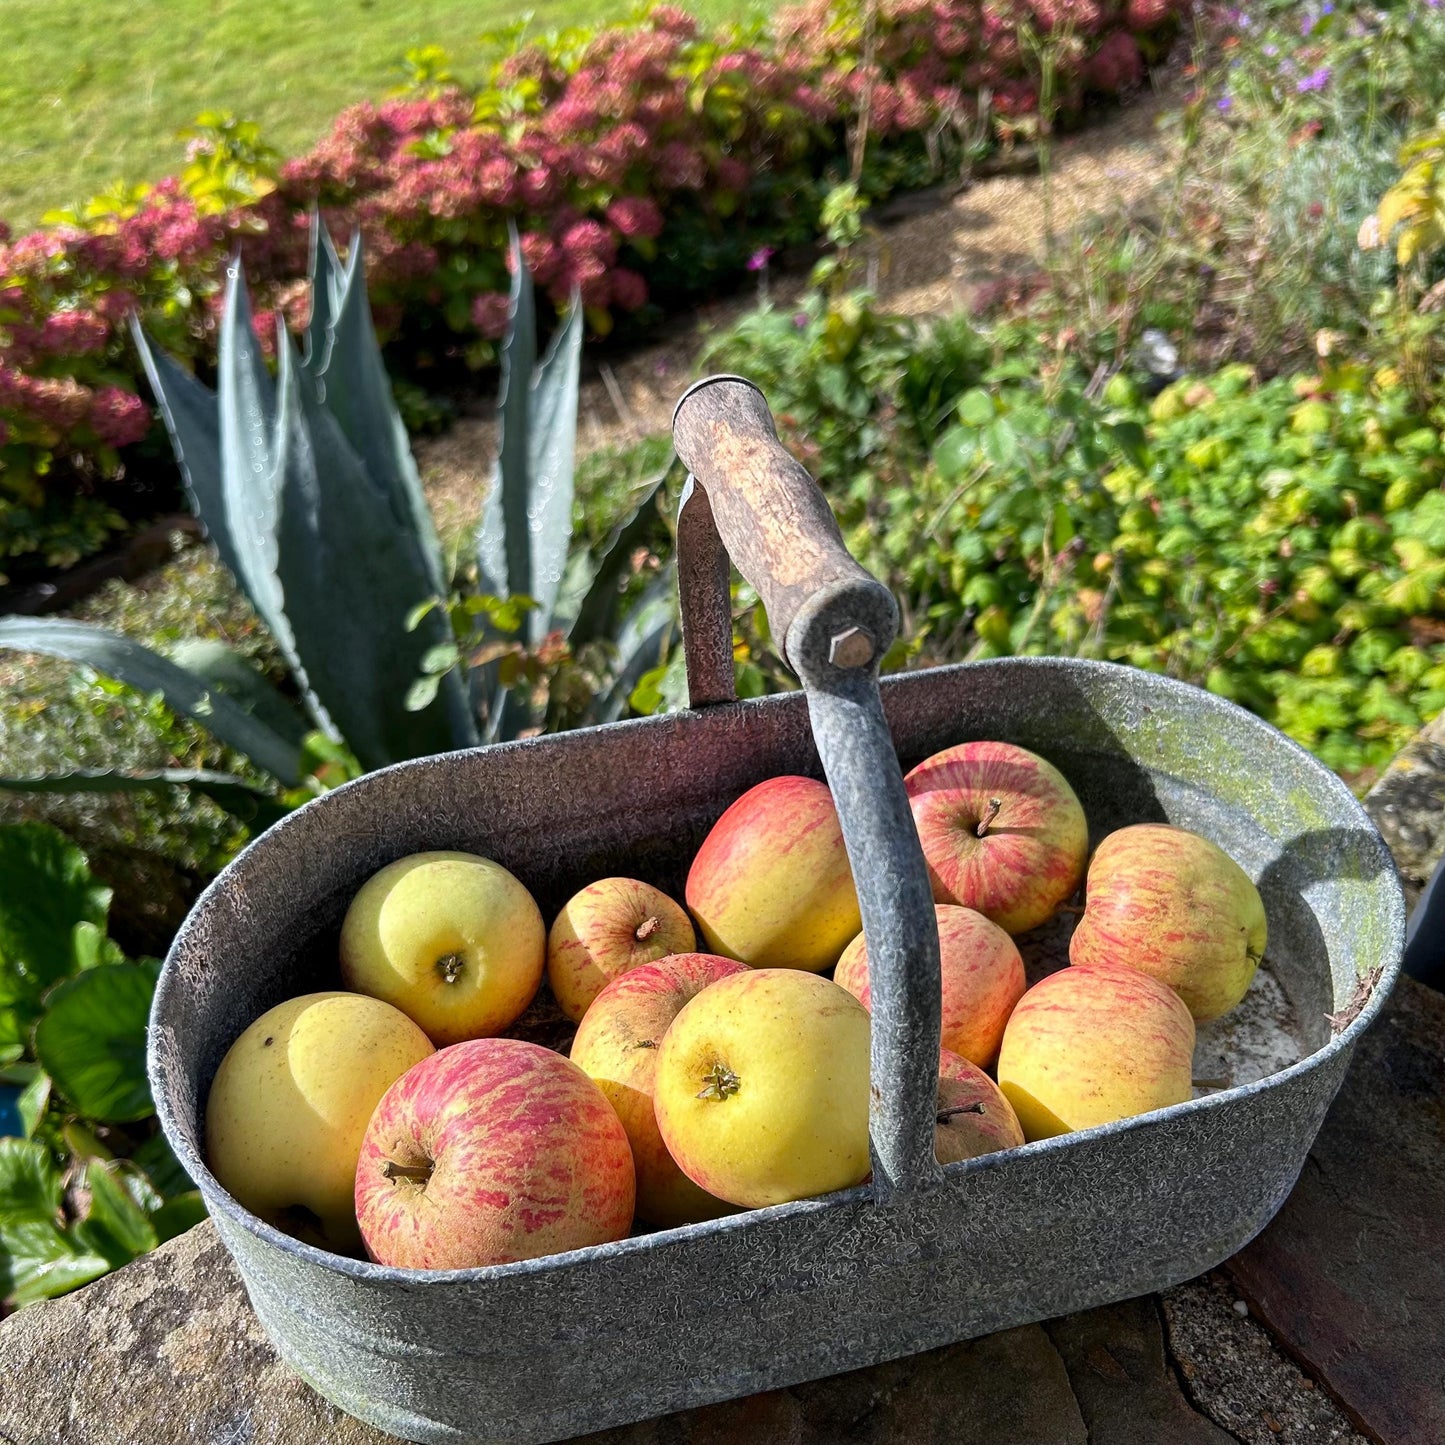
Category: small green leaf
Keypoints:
(30, 1185)
(114, 1226)
(440, 658)
(162, 1167)
(92, 947)
(92, 1040)
(31, 1104)
(420, 694)
(420, 611)
(1000, 443)
(976, 407)
(1063, 527)
(46, 889)
(39, 1261)
(177, 1215)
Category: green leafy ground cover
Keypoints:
(88, 1182)
(95, 91)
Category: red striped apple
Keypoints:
(974, 1117)
(1094, 1043)
(762, 1088)
(608, 928)
(771, 884)
(452, 940)
(983, 978)
(1001, 829)
(617, 1046)
(1172, 904)
(488, 1152)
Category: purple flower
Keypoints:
(758, 261)
(1224, 104)
(1271, 50)
(1307, 23)
(1315, 80)
(800, 320)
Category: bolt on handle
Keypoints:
(834, 621)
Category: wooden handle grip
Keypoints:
(777, 527)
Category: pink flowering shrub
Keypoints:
(644, 166)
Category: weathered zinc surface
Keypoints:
(814, 1288)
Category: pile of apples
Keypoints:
(396, 1116)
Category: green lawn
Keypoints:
(93, 91)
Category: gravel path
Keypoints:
(928, 262)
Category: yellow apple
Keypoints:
(290, 1103)
(611, 926)
(452, 940)
(1094, 1043)
(761, 1089)
(617, 1047)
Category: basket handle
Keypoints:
(748, 499)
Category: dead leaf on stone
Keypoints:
(1364, 987)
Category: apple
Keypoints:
(1172, 904)
(761, 1090)
(1093, 1043)
(617, 1047)
(974, 1117)
(608, 928)
(1001, 831)
(491, 1151)
(771, 885)
(453, 940)
(983, 978)
(290, 1103)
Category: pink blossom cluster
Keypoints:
(608, 159)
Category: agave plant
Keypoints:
(307, 487)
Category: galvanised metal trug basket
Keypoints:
(922, 1255)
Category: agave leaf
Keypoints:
(183, 692)
(230, 673)
(243, 800)
(325, 271)
(551, 463)
(351, 577)
(591, 616)
(358, 394)
(504, 541)
(193, 422)
(251, 477)
(641, 644)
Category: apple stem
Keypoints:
(989, 814)
(647, 928)
(418, 1172)
(720, 1083)
(451, 966)
(944, 1115)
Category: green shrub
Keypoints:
(1280, 542)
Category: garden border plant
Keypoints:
(643, 164)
